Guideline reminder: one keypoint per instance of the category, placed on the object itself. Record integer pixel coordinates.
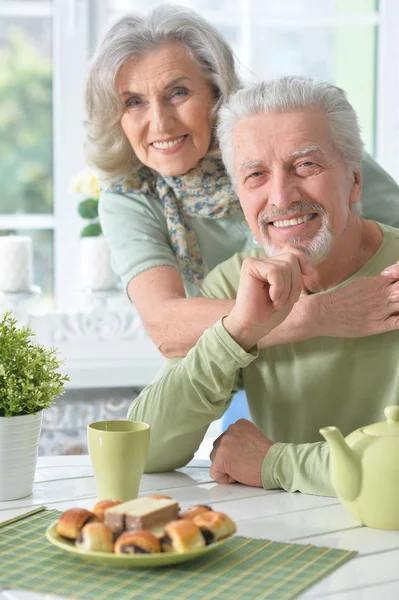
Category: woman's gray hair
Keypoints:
(288, 94)
(107, 148)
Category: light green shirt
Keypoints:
(292, 389)
(134, 225)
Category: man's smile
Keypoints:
(292, 221)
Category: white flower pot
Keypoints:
(19, 442)
(96, 272)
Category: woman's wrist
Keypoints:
(306, 320)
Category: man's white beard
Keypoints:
(317, 248)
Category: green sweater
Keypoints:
(292, 389)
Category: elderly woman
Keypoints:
(167, 208)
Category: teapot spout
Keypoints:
(345, 465)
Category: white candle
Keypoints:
(16, 263)
(96, 272)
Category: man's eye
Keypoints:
(307, 163)
(254, 179)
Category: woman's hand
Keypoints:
(368, 306)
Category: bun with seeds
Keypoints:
(95, 537)
(137, 542)
(182, 536)
(159, 497)
(193, 511)
(101, 506)
(215, 526)
(71, 522)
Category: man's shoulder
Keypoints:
(390, 235)
(389, 231)
(222, 281)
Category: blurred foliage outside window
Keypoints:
(26, 134)
(25, 126)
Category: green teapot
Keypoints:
(364, 470)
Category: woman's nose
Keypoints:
(162, 120)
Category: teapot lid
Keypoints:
(388, 428)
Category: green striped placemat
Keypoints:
(242, 568)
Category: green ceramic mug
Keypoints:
(118, 451)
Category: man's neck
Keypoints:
(355, 247)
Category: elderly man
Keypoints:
(293, 149)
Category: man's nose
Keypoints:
(162, 120)
(283, 190)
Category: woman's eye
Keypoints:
(179, 93)
(133, 102)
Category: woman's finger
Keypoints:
(392, 272)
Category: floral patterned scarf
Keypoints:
(204, 192)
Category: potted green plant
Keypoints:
(96, 272)
(86, 184)
(29, 382)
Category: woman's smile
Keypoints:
(170, 145)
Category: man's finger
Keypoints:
(219, 474)
(304, 261)
(296, 283)
(214, 449)
(277, 280)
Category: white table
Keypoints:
(66, 481)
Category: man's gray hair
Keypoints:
(107, 148)
(288, 94)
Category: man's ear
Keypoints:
(356, 188)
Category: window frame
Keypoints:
(71, 46)
(387, 113)
(77, 26)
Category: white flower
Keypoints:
(86, 184)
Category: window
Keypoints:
(43, 60)
(26, 200)
(44, 51)
(352, 43)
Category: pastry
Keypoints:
(182, 536)
(193, 511)
(101, 506)
(71, 522)
(137, 542)
(96, 537)
(214, 525)
(159, 497)
(142, 513)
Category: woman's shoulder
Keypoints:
(140, 181)
(133, 193)
(131, 197)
